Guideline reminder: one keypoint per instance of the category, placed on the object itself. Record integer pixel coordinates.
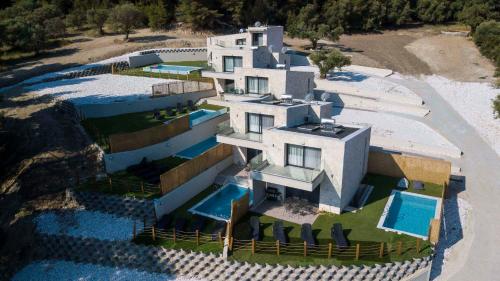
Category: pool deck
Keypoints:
(276, 209)
(437, 212)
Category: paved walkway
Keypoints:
(477, 257)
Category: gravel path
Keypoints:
(82, 223)
(56, 270)
(99, 89)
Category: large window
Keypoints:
(303, 156)
(257, 39)
(231, 62)
(257, 85)
(258, 122)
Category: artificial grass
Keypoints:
(195, 75)
(100, 129)
(124, 183)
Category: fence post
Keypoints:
(277, 247)
(153, 233)
(253, 247)
(400, 246)
(357, 251)
(134, 230)
(174, 234)
(418, 245)
(110, 184)
(197, 238)
(142, 187)
(220, 239)
(330, 250)
(231, 243)
(381, 252)
(305, 249)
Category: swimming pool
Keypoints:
(197, 149)
(201, 115)
(409, 213)
(218, 205)
(172, 69)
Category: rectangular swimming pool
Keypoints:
(218, 205)
(197, 149)
(172, 69)
(201, 115)
(409, 213)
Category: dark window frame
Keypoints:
(260, 121)
(303, 156)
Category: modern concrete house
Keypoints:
(254, 62)
(295, 149)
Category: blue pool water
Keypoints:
(200, 116)
(410, 214)
(173, 69)
(218, 205)
(199, 148)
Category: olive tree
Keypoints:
(328, 61)
(125, 17)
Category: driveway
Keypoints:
(477, 257)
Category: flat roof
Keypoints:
(340, 131)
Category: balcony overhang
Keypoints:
(295, 177)
(218, 75)
(248, 140)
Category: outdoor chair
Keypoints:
(338, 236)
(255, 226)
(279, 232)
(306, 234)
(191, 105)
(220, 227)
(418, 185)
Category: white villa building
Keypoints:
(291, 146)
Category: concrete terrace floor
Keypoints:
(476, 257)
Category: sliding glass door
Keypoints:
(258, 122)
(304, 156)
(257, 85)
(231, 62)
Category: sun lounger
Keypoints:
(418, 185)
(279, 232)
(198, 223)
(220, 226)
(338, 236)
(307, 235)
(255, 226)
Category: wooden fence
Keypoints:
(435, 225)
(150, 136)
(176, 88)
(187, 170)
(412, 167)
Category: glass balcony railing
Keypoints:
(229, 132)
(290, 172)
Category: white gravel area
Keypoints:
(362, 81)
(99, 89)
(55, 270)
(457, 212)
(90, 224)
(473, 101)
(393, 126)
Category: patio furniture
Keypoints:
(338, 236)
(255, 226)
(191, 105)
(164, 222)
(272, 193)
(306, 234)
(156, 114)
(220, 226)
(180, 108)
(180, 224)
(170, 111)
(418, 185)
(403, 183)
(198, 223)
(279, 232)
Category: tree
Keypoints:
(473, 15)
(308, 24)
(125, 17)
(496, 107)
(198, 14)
(97, 18)
(75, 19)
(328, 61)
(158, 18)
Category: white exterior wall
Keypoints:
(167, 54)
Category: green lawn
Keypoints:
(126, 184)
(195, 75)
(360, 227)
(100, 129)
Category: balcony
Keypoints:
(291, 176)
(217, 75)
(227, 135)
